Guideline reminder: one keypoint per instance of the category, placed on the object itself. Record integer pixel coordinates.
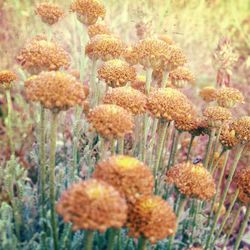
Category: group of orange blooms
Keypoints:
(122, 190)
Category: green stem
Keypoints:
(163, 128)
(52, 160)
(218, 160)
(113, 148)
(111, 238)
(209, 147)
(93, 86)
(171, 150)
(164, 79)
(149, 72)
(121, 146)
(143, 245)
(226, 216)
(190, 146)
(9, 123)
(229, 180)
(242, 228)
(236, 217)
(152, 141)
(89, 237)
(172, 156)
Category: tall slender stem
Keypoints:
(242, 228)
(93, 87)
(9, 123)
(52, 160)
(190, 146)
(209, 147)
(121, 145)
(143, 245)
(164, 79)
(89, 237)
(174, 148)
(111, 238)
(229, 180)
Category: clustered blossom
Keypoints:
(242, 180)
(88, 11)
(181, 77)
(202, 127)
(242, 129)
(188, 123)
(128, 98)
(6, 79)
(139, 84)
(50, 13)
(129, 176)
(208, 94)
(41, 55)
(98, 29)
(216, 115)
(227, 137)
(111, 121)
(229, 97)
(104, 47)
(92, 205)
(130, 55)
(168, 103)
(151, 217)
(116, 73)
(192, 180)
(55, 90)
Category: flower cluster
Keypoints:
(242, 129)
(181, 77)
(98, 29)
(6, 79)
(208, 94)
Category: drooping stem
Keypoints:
(164, 79)
(163, 127)
(222, 200)
(209, 147)
(226, 216)
(190, 146)
(242, 228)
(89, 237)
(235, 220)
(52, 159)
(9, 122)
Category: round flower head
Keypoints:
(98, 29)
(7, 77)
(151, 52)
(242, 180)
(168, 40)
(111, 121)
(192, 180)
(208, 94)
(228, 138)
(176, 58)
(168, 103)
(188, 123)
(128, 98)
(50, 13)
(130, 55)
(216, 116)
(242, 129)
(104, 47)
(151, 217)
(116, 73)
(55, 90)
(128, 175)
(42, 55)
(88, 11)
(229, 97)
(181, 77)
(139, 84)
(202, 127)
(92, 205)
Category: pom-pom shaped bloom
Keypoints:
(128, 175)
(188, 123)
(50, 13)
(139, 83)
(208, 94)
(55, 90)
(111, 121)
(92, 205)
(104, 47)
(131, 56)
(6, 79)
(228, 138)
(88, 11)
(192, 180)
(128, 98)
(98, 29)
(116, 73)
(175, 59)
(229, 97)
(168, 103)
(202, 127)
(181, 77)
(151, 217)
(242, 129)
(151, 52)
(242, 179)
(216, 115)
(41, 55)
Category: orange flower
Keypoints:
(242, 129)
(192, 180)
(98, 29)
(208, 94)
(128, 175)
(181, 77)
(6, 79)
(228, 138)
(151, 217)
(92, 205)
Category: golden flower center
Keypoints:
(126, 162)
(96, 191)
(198, 170)
(148, 204)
